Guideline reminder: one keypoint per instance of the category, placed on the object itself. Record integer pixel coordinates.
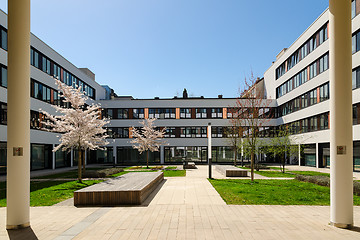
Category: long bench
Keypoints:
(231, 171)
(128, 189)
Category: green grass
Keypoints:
(274, 174)
(273, 192)
(50, 192)
(276, 168)
(311, 173)
(175, 173)
(243, 167)
(170, 168)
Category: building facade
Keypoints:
(297, 85)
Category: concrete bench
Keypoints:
(129, 189)
(231, 171)
(189, 165)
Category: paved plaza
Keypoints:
(182, 208)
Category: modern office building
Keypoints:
(296, 86)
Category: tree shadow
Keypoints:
(24, 233)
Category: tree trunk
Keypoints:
(79, 166)
(252, 165)
(147, 159)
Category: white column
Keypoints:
(85, 157)
(299, 154)
(317, 155)
(114, 154)
(162, 155)
(341, 150)
(18, 115)
(53, 158)
(72, 158)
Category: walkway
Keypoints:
(183, 208)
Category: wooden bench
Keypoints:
(128, 189)
(231, 171)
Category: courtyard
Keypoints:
(182, 208)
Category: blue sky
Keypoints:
(148, 48)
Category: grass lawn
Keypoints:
(273, 192)
(277, 168)
(50, 192)
(175, 173)
(274, 174)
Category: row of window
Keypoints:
(316, 40)
(43, 63)
(40, 61)
(311, 71)
(172, 132)
(44, 93)
(312, 97)
(185, 113)
(310, 124)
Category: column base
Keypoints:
(14, 227)
(341, 225)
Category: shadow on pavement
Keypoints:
(24, 233)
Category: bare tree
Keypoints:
(80, 127)
(251, 113)
(148, 138)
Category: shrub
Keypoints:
(319, 180)
(102, 173)
(357, 188)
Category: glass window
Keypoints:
(353, 8)
(3, 77)
(185, 112)
(3, 39)
(138, 113)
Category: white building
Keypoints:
(298, 83)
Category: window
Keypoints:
(3, 76)
(162, 113)
(122, 113)
(3, 113)
(185, 112)
(317, 39)
(201, 113)
(3, 43)
(216, 113)
(108, 113)
(170, 132)
(138, 113)
(354, 9)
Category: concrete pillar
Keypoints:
(85, 156)
(72, 158)
(53, 158)
(115, 155)
(341, 150)
(18, 114)
(299, 154)
(317, 159)
(162, 155)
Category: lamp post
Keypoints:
(209, 149)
